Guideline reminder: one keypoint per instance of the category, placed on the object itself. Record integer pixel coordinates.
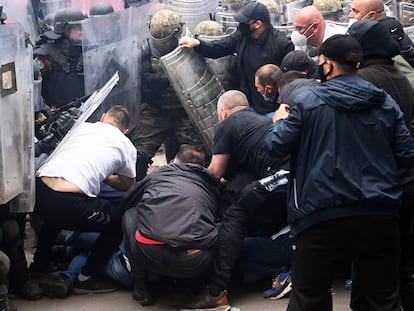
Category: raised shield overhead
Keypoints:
(197, 88)
(111, 44)
(21, 11)
(17, 125)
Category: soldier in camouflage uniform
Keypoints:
(162, 117)
(224, 68)
(58, 56)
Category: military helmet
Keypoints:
(271, 6)
(164, 29)
(65, 18)
(208, 28)
(233, 6)
(48, 22)
(101, 8)
(328, 5)
(164, 23)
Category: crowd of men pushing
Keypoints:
(343, 141)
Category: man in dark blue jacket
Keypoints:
(347, 139)
(255, 43)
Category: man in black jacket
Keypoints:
(255, 43)
(170, 227)
(378, 67)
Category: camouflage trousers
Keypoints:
(157, 127)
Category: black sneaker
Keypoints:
(38, 270)
(94, 285)
(206, 301)
(59, 287)
(28, 290)
(144, 297)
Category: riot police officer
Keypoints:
(59, 59)
(162, 116)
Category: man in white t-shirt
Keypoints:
(67, 187)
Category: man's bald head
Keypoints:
(231, 101)
(310, 23)
(367, 9)
(308, 14)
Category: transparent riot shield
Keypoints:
(224, 68)
(16, 127)
(289, 8)
(191, 12)
(52, 6)
(406, 13)
(197, 88)
(21, 11)
(224, 14)
(111, 43)
(85, 5)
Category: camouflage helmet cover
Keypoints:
(164, 23)
(328, 5)
(234, 2)
(271, 6)
(208, 28)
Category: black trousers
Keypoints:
(161, 259)
(358, 302)
(371, 243)
(77, 212)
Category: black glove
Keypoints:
(65, 121)
(45, 145)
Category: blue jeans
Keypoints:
(265, 257)
(80, 246)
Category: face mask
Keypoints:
(322, 75)
(268, 98)
(245, 29)
(299, 39)
(351, 21)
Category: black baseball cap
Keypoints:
(394, 27)
(253, 11)
(374, 38)
(296, 60)
(343, 49)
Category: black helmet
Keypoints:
(48, 22)
(65, 18)
(101, 8)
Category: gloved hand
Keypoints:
(65, 121)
